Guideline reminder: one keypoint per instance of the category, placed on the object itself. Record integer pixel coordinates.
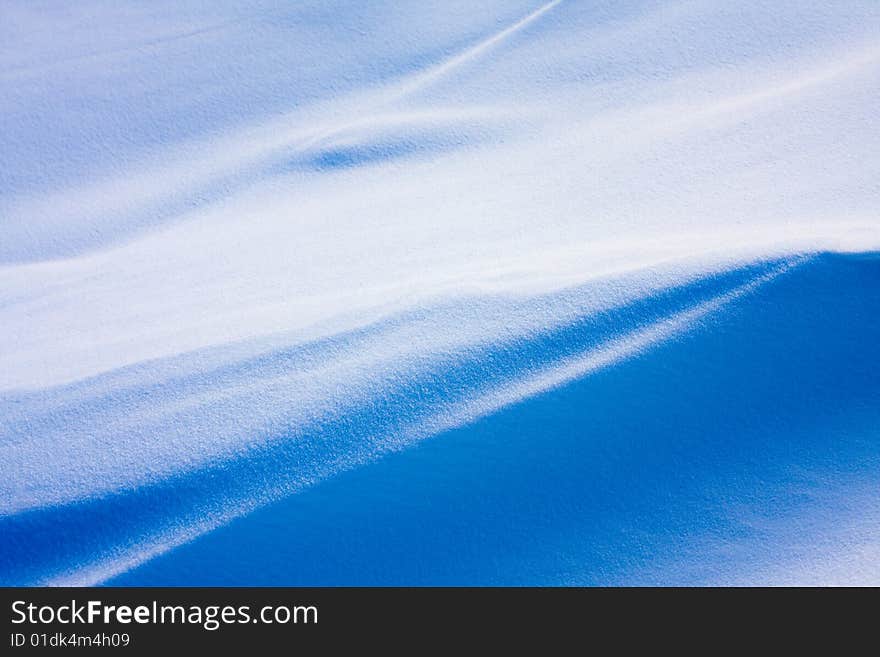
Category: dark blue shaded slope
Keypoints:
(742, 448)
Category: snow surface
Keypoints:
(248, 246)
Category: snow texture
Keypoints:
(249, 248)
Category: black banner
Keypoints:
(135, 619)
